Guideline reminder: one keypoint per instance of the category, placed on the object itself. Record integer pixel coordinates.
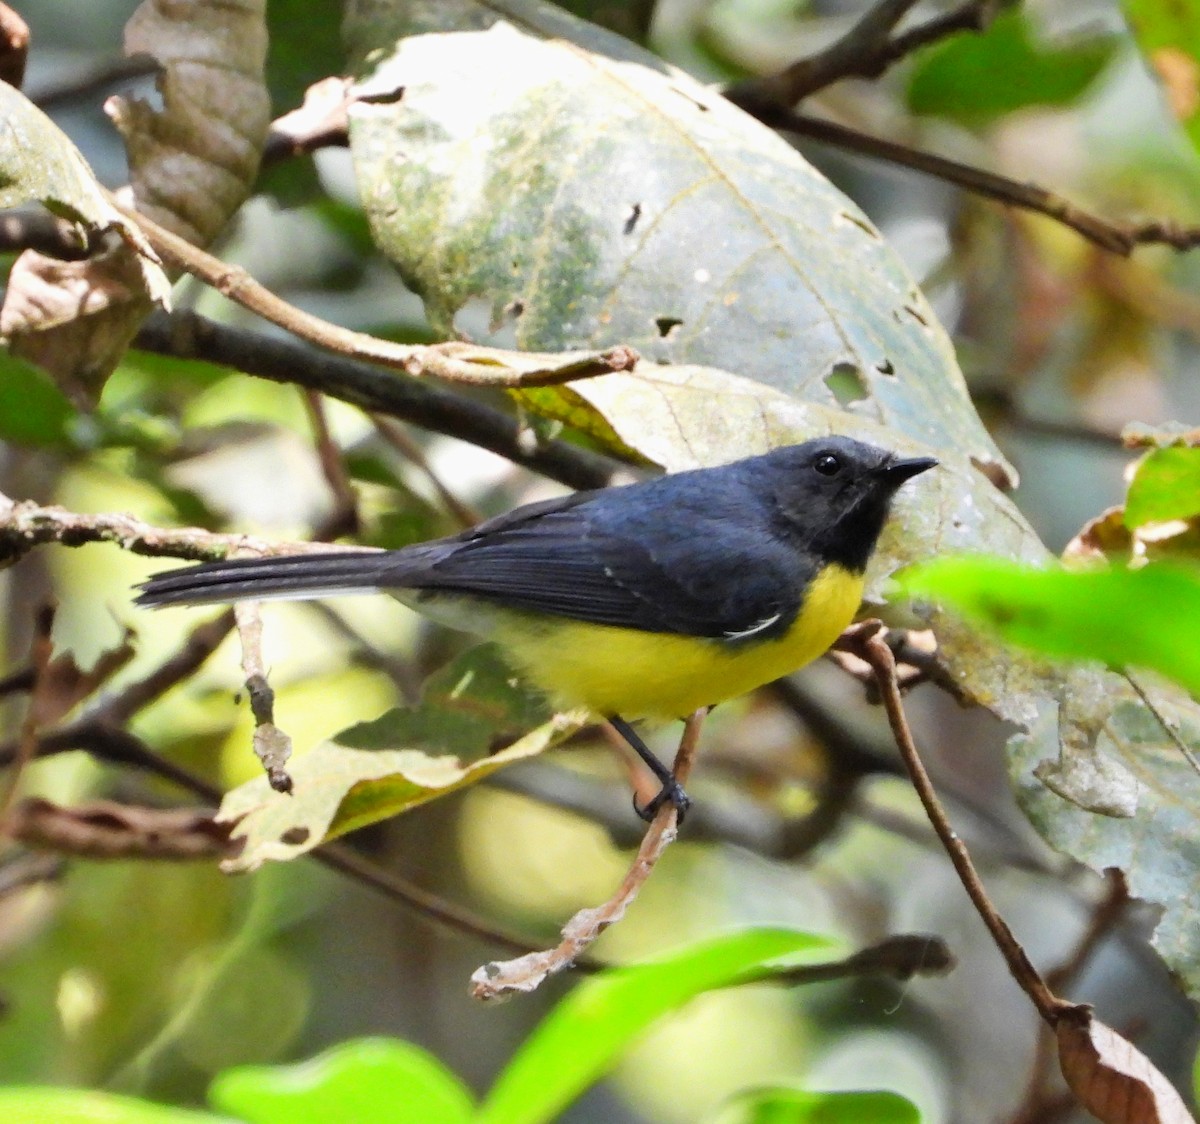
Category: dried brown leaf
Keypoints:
(107, 830)
(193, 161)
(1112, 1078)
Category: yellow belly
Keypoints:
(656, 675)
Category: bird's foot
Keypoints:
(671, 791)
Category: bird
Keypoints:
(643, 601)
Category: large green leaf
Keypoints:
(1119, 617)
(33, 411)
(977, 78)
(41, 1105)
(578, 1041)
(368, 1080)
(544, 182)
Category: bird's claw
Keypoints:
(671, 791)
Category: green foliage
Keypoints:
(584, 1034)
(1168, 33)
(784, 1105)
(39, 1105)
(368, 1080)
(1166, 486)
(1119, 617)
(980, 78)
(33, 411)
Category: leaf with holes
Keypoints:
(540, 181)
(354, 780)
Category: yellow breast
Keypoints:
(657, 675)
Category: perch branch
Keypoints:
(501, 979)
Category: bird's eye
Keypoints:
(827, 465)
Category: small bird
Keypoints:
(648, 600)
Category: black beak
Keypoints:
(896, 472)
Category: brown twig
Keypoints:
(501, 979)
(453, 361)
(28, 869)
(271, 745)
(399, 440)
(1048, 1005)
(344, 519)
(1117, 238)
(184, 335)
(40, 650)
(198, 645)
(867, 50)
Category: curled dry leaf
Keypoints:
(193, 161)
(75, 319)
(1112, 1078)
(107, 830)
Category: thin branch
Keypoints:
(867, 50)
(399, 440)
(1117, 238)
(453, 361)
(39, 230)
(271, 745)
(185, 335)
(501, 979)
(1049, 1006)
(197, 646)
(40, 650)
(28, 869)
(344, 519)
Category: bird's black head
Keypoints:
(832, 495)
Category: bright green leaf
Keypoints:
(581, 1038)
(1119, 617)
(1168, 33)
(784, 1105)
(33, 411)
(1167, 486)
(369, 1080)
(42, 1105)
(977, 78)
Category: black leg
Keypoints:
(671, 789)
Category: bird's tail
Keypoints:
(294, 576)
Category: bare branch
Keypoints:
(453, 361)
(187, 336)
(868, 49)
(1117, 238)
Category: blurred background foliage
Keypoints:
(149, 979)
